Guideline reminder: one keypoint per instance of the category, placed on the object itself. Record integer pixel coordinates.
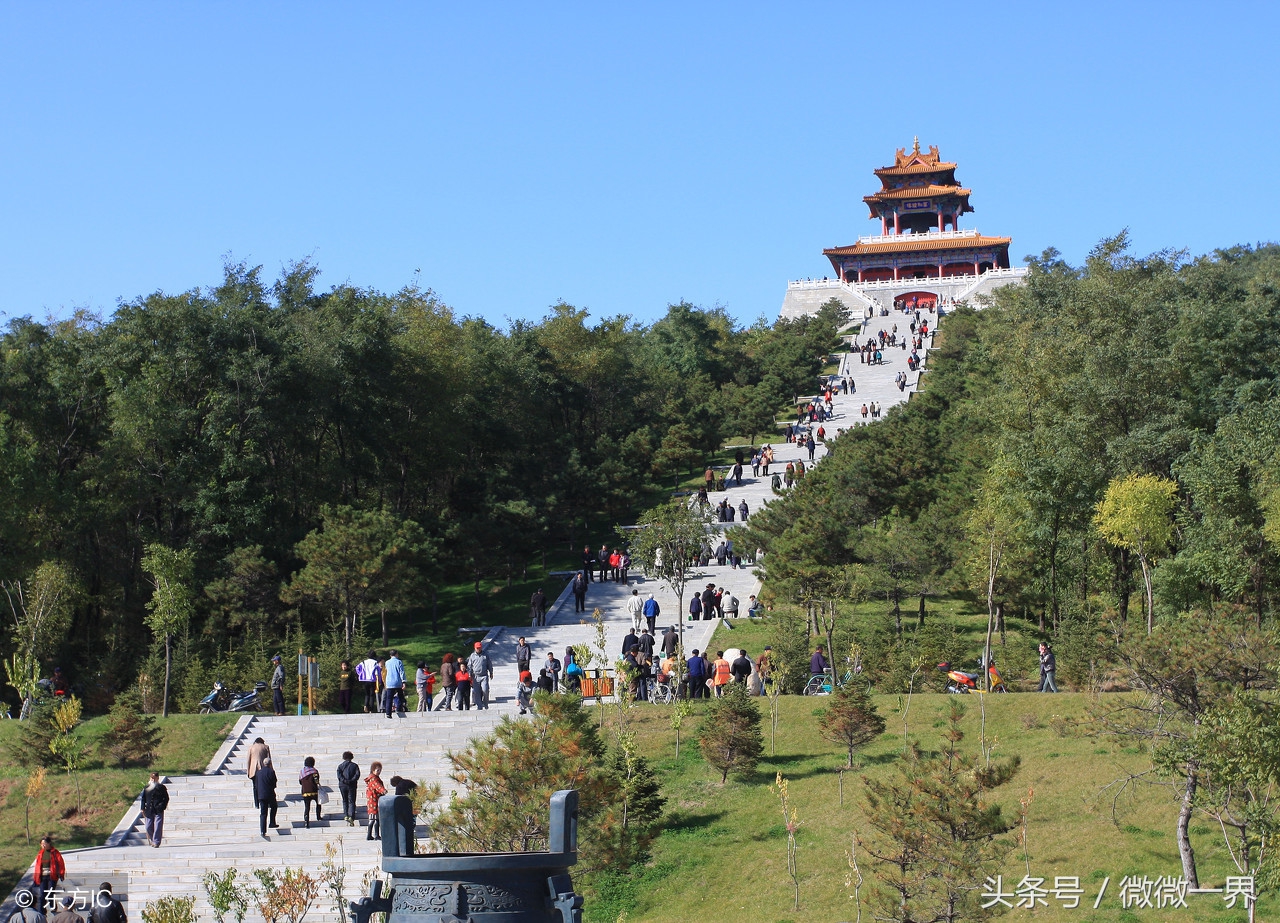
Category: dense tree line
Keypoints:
(316, 452)
(1058, 429)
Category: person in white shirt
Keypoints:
(635, 608)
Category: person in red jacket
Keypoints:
(49, 871)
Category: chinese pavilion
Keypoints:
(918, 201)
(921, 255)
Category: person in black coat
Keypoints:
(155, 799)
(348, 783)
(264, 785)
(106, 907)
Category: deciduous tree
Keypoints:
(1134, 513)
(171, 604)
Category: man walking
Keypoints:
(394, 679)
(580, 581)
(155, 799)
(481, 669)
(635, 609)
(538, 608)
(348, 780)
(651, 612)
(697, 676)
(670, 641)
(1048, 666)
(264, 788)
(277, 686)
(524, 654)
(258, 751)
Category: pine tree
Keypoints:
(935, 833)
(730, 737)
(132, 737)
(35, 738)
(511, 775)
(851, 720)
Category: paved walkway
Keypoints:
(211, 822)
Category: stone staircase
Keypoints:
(211, 822)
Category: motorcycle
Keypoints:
(963, 683)
(224, 699)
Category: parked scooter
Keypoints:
(962, 682)
(224, 699)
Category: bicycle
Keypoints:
(824, 683)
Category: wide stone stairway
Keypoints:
(211, 822)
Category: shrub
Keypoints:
(132, 737)
(730, 737)
(170, 909)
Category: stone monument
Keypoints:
(508, 887)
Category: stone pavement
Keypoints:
(211, 822)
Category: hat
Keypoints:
(768, 648)
(68, 901)
(275, 659)
(525, 674)
(479, 645)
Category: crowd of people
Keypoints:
(383, 682)
(265, 784)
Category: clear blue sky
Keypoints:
(617, 157)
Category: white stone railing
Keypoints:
(815, 283)
(933, 233)
(1013, 271)
(961, 279)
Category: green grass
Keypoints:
(188, 743)
(728, 841)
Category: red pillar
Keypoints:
(895, 272)
(884, 225)
(975, 267)
(941, 221)
(895, 223)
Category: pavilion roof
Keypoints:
(917, 192)
(914, 243)
(912, 169)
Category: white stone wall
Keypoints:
(806, 297)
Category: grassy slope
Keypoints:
(189, 742)
(727, 842)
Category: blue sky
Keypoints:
(616, 157)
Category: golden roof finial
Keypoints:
(916, 147)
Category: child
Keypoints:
(524, 692)
(463, 678)
(425, 680)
